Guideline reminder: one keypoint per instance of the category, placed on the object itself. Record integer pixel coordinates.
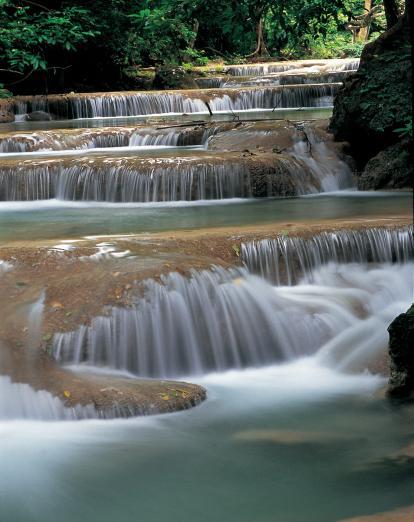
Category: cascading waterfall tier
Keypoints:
(141, 103)
(223, 319)
(105, 137)
(21, 402)
(350, 64)
(286, 78)
(139, 179)
(285, 260)
(129, 180)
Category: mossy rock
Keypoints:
(376, 101)
(401, 350)
(391, 168)
(172, 77)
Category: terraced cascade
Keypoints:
(285, 260)
(349, 64)
(116, 137)
(306, 165)
(203, 255)
(224, 319)
(291, 73)
(106, 105)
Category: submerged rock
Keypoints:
(39, 116)
(401, 350)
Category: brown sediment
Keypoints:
(404, 514)
(77, 289)
(110, 395)
(63, 139)
(80, 287)
(250, 135)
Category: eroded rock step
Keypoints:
(287, 160)
(122, 283)
(113, 104)
(290, 77)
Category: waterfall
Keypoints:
(287, 78)
(134, 179)
(34, 322)
(312, 95)
(259, 69)
(5, 266)
(135, 104)
(15, 144)
(169, 137)
(125, 183)
(287, 259)
(325, 165)
(101, 138)
(21, 402)
(223, 319)
(213, 82)
(263, 69)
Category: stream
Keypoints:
(289, 340)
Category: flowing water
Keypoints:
(288, 345)
(133, 104)
(53, 219)
(223, 319)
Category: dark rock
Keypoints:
(375, 102)
(401, 350)
(39, 116)
(391, 168)
(6, 111)
(171, 77)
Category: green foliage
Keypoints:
(28, 34)
(158, 34)
(123, 34)
(4, 93)
(407, 130)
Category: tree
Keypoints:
(391, 12)
(30, 33)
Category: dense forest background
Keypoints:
(52, 45)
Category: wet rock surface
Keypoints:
(391, 168)
(374, 105)
(6, 111)
(39, 116)
(401, 349)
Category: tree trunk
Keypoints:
(363, 33)
(391, 12)
(261, 49)
(195, 28)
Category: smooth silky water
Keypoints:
(242, 115)
(295, 442)
(66, 219)
(299, 432)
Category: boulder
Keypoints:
(6, 111)
(401, 350)
(391, 168)
(38, 116)
(374, 105)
